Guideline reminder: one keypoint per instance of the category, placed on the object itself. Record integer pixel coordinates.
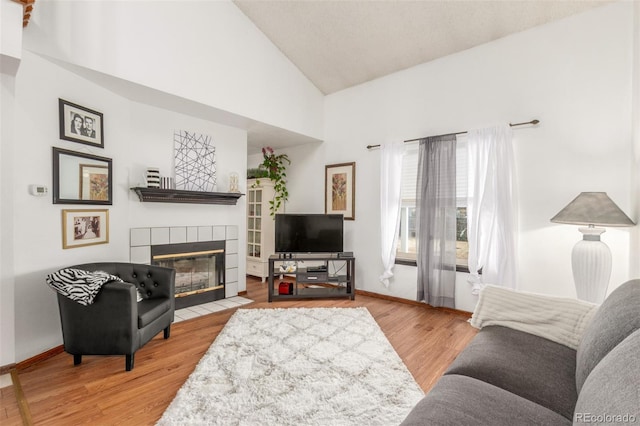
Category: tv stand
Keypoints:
(334, 278)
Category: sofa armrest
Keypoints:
(560, 320)
(111, 321)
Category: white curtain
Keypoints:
(390, 185)
(491, 208)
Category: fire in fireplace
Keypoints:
(200, 270)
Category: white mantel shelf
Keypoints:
(157, 195)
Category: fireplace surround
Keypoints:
(205, 259)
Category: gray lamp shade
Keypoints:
(593, 208)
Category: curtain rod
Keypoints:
(534, 122)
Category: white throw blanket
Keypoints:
(558, 319)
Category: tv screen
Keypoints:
(309, 233)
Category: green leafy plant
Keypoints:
(256, 173)
(275, 167)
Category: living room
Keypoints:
(579, 76)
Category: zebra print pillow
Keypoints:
(78, 285)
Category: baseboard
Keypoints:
(411, 302)
(6, 369)
(242, 293)
(40, 357)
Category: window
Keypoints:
(406, 249)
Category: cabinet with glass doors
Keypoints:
(260, 227)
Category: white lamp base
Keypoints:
(591, 264)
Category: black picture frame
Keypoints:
(89, 130)
(80, 178)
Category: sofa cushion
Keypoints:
(526, 365)
(460, 400)
(613, 387)
(617, 318)
(151, 309)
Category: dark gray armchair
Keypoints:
(116, 324)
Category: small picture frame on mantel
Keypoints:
(80, 124)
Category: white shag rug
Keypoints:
(298, 366)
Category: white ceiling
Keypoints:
(341, 43)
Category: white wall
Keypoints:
(7, 308)
(574, 75)
(205, 51)
(10, 36)
(634, 270)
(136, 136)
(10, 54)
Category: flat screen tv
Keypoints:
(309, 233)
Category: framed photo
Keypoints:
(84, 227)
(80, 124)
(340, 190)
(94, 182)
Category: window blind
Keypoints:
(410, 172)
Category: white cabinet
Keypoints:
(260, 227)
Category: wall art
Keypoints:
(340, 190)
(94, 182)
(80, 124)
(84, 227)
(194, 161)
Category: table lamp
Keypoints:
(591, 258)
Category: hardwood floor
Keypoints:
(100, 392)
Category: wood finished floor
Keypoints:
(100, 392)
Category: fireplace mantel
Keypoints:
(158, 195)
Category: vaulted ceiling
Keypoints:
(341, 43)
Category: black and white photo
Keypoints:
(80, 124)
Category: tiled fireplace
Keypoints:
(205, 259)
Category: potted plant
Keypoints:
(273, 166)
(256, 173)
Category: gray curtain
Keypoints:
(436, 221)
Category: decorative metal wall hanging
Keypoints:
(195, 161)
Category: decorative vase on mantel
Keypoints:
(152, 177)
(234, 182)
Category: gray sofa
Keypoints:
(509, 377)
(116, 324)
